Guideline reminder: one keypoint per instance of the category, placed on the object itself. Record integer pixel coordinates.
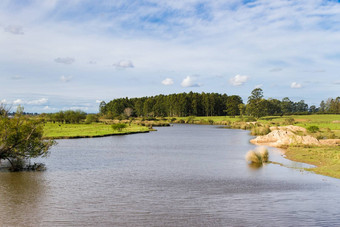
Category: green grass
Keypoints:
(326, 159)
(56, 131)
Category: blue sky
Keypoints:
(60, 54)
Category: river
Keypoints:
(185, 175)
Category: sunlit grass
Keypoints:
(52, 130)
(326, 159)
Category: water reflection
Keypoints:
(21, 197)
(255, 166)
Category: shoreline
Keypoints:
(97, 136)
(323, 154)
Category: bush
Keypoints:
(313, 129)
(258, 156)
(118, 127)
(90, 118)
(190, 120)
(249, 119)
(289, 121)
(173, 119)
(260, 130)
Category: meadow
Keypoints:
(65, 131)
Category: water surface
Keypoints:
(186, 175)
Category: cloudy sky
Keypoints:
(71, 54)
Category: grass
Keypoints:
(326, 159)
(58, 131)
(258, 156)
(329, 124)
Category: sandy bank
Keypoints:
(288, 135)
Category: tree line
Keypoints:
(211, 104)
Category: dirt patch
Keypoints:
(330, 142)
(285, 136)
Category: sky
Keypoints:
(73, 54)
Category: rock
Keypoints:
(292, 128)
(285, 136)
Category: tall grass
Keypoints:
(259, 156)
(260, 130)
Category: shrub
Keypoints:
(190, 120)
(91, 118)
(249, 119)
(260, 130)
(173, 119)
(258, 156)
(118, 127)
(289, 121)
(211, 121)
(313, 129)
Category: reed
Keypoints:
(260, 155)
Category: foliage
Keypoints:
(313, 129)
(289, 121)
(211, 104)
(91, 118)
(232, 105)
(118, 127)
(21, 138)
(68, 116)
(258, 156)
(190, 120)
(260, 130)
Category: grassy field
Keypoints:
(58, 131)
(326, 159)
(328, 124)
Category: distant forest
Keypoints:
(212, 104)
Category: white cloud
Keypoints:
(189, 81)
(46, 108)
(18, 102)
(238, 80)
(98, 101)
(4, 101)
(258, 85)
(295, 85)
(77, 108)
(38, 101)
(123, 64)
(66, 61)
(65, 79)
(14, 29)
(168, 81)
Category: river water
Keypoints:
(186, 175)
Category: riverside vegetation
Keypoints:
(260, 116)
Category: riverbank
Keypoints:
(72, 131)
(319, 147)
(299, 146)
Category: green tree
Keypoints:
(21, 138)
(232, 105)
(257, 106)
(118, 127)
